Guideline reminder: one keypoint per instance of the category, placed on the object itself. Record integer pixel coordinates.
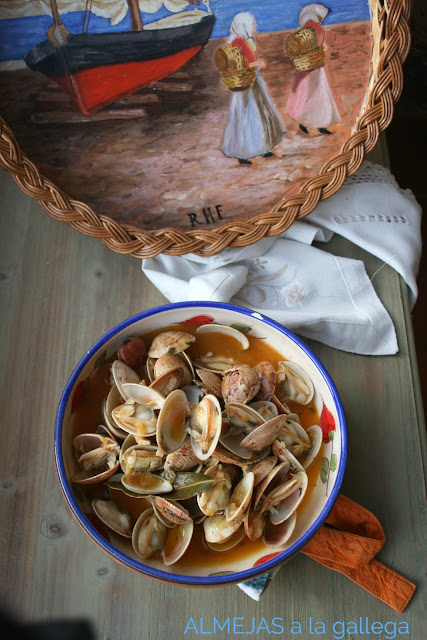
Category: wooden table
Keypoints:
(60, 291)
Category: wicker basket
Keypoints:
(310, 60)
(231, 64)
(390, 46)
(301, 41)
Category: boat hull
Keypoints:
(97, 69)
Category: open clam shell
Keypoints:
(177, 542)
(206, 424)
(116, 520)
(315, 434)
(231, 438)
(144, 395)
(243, 416)
(240, 498)
(264, 435)
(218, 529)
(240, 384)
(97, 456)
(293, 383)
(173, 422)
(136, 419)
(215, 498)
(113, 400)
(230, 542)
(148, 535)
(275, 536)
(284, 500)
(145, 483)
(224, 330)
(123, 374)
(170, 512)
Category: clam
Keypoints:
(149, 534)
(243, 416)
(211, 382)
(137, 419)
(274, 478)
(294, 436)
(254, 524)
(113, 400)
(315, 434)
(231, 438)
(183, 459)
(215, 498)
(224, 330)
(170, 512)
(170, 342)
(264, 435)
(267, 378)
(97, 456)
(122, 374)
(171, 362)
(275, 536)
(116, 520)
(145, 483)
(218, 529)
(262, 468)
(293, 383)
(284, 500)
(177, 542)
(265, 408)
(144, 395)
(140, 458)
(173, 422)
(169, 381)
(240, 384)
(240, 498)
(205, 427)
(230, 542)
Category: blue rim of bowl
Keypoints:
(241, 576)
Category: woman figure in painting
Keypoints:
(311, 102)
(254, 126)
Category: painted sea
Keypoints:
(18, 35)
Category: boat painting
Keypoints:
(98, 68)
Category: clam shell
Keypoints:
(225, 330)
(108, 512)
(97, 456)
(171, 513)
(229, 543)
(240, 384)
(140, 458)
(206, 420)
(136, 419)
(264, 435)
(145, 483)
(267, 377)
(215, 498)
(275, 536)
(231, 438)
(285, 499)
(255, 522)
(113, 400)
(142, 394)
(149, 534)
(315, 434)
(240, 498)
(177, 542)
(243, 416)
(293, 383)
(173, 421)
(217, 529)
(123, 374)
(183, 459)
(170, 342)
(265, 408)
(211, 382)
(169, 381)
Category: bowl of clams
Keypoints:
(200, 443)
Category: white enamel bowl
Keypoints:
(333, 453)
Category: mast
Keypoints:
(57, 34)
(135, 15)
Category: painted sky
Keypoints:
(18, 36)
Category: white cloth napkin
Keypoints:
(318, 295)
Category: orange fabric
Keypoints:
(349, 545)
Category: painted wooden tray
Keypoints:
(131, 119)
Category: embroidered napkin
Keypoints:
(349, 545)
(321, 296)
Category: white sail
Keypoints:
(114, 10)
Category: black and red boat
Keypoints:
(98, 68)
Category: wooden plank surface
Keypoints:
(59, 292)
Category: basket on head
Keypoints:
(310, 60)
(231, 64)
(301, 41)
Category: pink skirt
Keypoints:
(311, 102)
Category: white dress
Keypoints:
(254, 126)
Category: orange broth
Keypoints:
(89, 415)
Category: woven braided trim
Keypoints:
(391, 37)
